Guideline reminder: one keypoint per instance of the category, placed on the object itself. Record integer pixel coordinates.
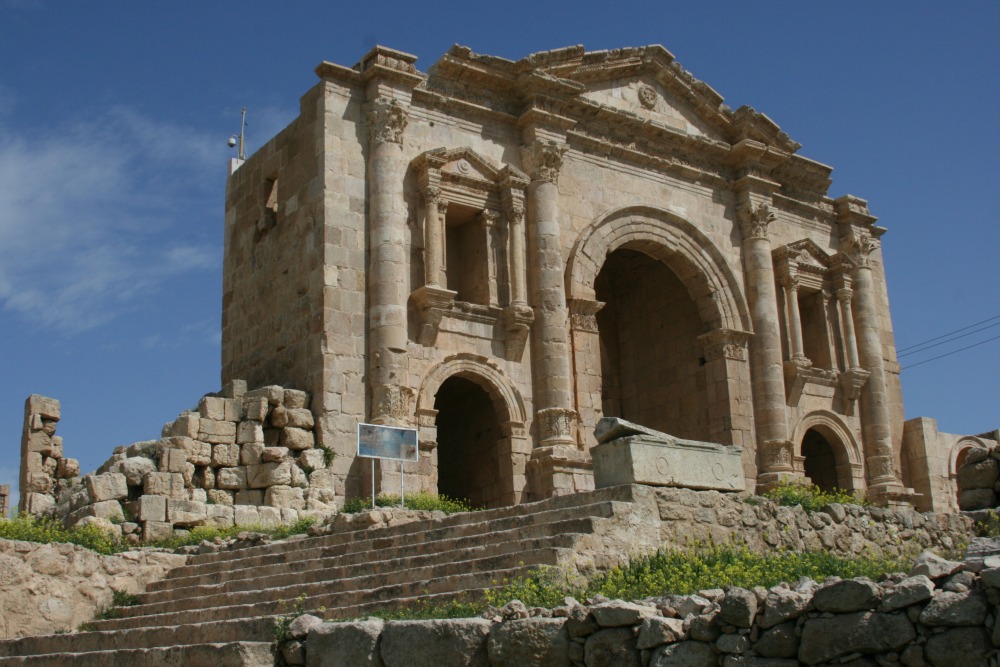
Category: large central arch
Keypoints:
(712, 287)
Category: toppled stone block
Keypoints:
(979, 475)
(216, 432)
(976, 499)
(231, 478)
(225, 455)
(109, 486)
(633, 454)
(297, 438)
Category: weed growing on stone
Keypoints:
(989, 526)
(414, 501)
(282, 623)
(29, 528)
(811, 497)
(199, 533)
(119, 599)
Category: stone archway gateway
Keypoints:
(687, 276)
(829, 454)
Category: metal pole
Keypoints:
(373, 483)
(402, 497)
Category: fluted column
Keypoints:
(847, 318)
(774, 447)
(386, 120)
(515, 222)
(791, 288)
(434, 212)
(553, 386)
(875, 419)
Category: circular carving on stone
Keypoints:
(718, 471)
(647, 96)
(662, 466)
(463, 167)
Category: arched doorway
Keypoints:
(652, 363)
(468, 437)
(820, 461)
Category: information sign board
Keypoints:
(387, 442)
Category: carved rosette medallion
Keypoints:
(386, 121)
(543, 160)
(859, 248)
(647, 96)
(754, 220)
(555, 424)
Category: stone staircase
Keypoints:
(219, 609)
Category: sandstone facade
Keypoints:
(500, 253)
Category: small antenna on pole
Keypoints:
(242, 155)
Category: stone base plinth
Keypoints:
(641, 459)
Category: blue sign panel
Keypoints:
(387, 442)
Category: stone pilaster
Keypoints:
(773, 446)
(435, 208)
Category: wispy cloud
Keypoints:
(90, 214)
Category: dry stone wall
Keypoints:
(979, 479)
(46, 588)
(244, 458)
(939, 615)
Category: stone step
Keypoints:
(375, 538)
(366, 579)
(386, 596)
(231, 654)
(250, 629)
(239, 578)
(338, 568)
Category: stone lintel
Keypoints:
(654, 461)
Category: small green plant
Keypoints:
(29, 528)
(811, 497)
(119, 599)
(296, 608)
(328, 455)
(414, 501)
(989, 526)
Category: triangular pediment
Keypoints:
(804, 254)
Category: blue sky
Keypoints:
(114, 118)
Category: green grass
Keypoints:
(414, 501)
(811, 497)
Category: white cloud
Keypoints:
(89, 214)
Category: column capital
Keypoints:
(543, 159)
(432, 193)
(858, 248)
(515, 214)
(386, 120)
(844, 295)
(754, 220)
(489, 217)
(725, 344)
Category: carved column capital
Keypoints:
(386, 120)
(489, 218)
(515, 215)
(754, 220)
(432, 194)
(844, 295)
(583, 314)
(725, 344)
(858, 248)
(555, 426)
(543, 160)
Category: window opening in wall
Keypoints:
(468, 434)
(466, 259)
(820, 462)
(814, 312)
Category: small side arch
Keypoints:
(479, 369)
(848, 457)
(956, 457)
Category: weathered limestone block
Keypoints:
(274, 454)
(38, 503)
(632, 454)
(68, 469)
(154, 531)
(196, 452)
(824, 639)
(955, 609)
(212, 408)
(279, 417)
(188, 474)
(185, 426)
(250, 453)
(284, 497)
(977, 499)
(204, 478)
(219, 516)
(186, 512)
(169, 484)
(173, 460)
(269, 474)
(233, 409)
(297, 438)
(250, 497)
(225, 455)
(320, 499)
(108, 509)
(739, 607)
(270, 517)
(979, 475)
(612, 646)
(529, 641)
(39, 482)
(618, 613)
(458, 642)
(49, 466)
(273, 393)
(911, 590)
(255, 409)
(109, 486)
(231, 478)
(217, 431)
(220, 497)
(246, 515)
(249, 431)
(295, 399)
(235, 389)
(301, 418)
(135, 469)
(847, 595)
(312, 459)
(151, 508)
(299, 477)
(351, 644)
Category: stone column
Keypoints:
(515, 222)
(847, 318)
(387, 119)
(434, 212)
(553, 382)
(773, 446)
(875, 420)
(488, 218)
(791, 289)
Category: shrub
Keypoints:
(44, 530)
(414, 501)
(989, 526)
(811, 497)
